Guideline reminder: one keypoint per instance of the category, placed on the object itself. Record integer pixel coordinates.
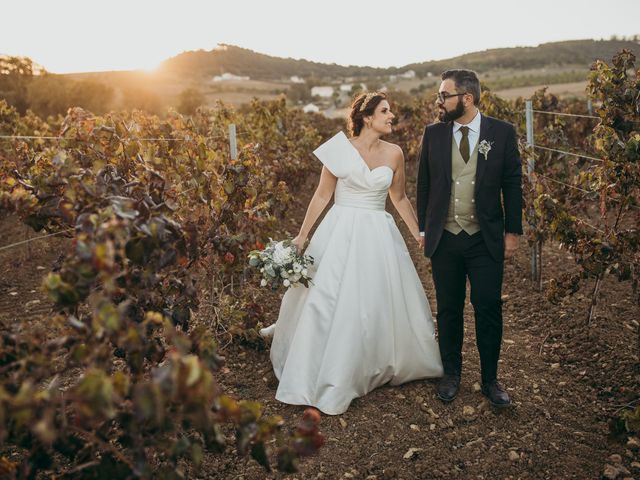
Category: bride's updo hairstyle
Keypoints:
(362, 106)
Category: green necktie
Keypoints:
(464, 144)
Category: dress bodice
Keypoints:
(358, 185)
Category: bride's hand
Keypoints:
(299, 243)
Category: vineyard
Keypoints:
(129, 342)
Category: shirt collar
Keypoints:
(474, 125)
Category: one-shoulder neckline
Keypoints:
(371, 170)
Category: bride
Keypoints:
(365, 321)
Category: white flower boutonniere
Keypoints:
(484, 148)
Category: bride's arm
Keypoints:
(319, 201)
(400, 200)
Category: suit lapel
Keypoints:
(447, 152)
(486, 133)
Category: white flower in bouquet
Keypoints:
(282, 255)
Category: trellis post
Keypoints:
(233, 143)
(536, 249)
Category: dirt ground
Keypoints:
(566, 379)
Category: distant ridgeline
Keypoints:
(235, 75)
(244, 62)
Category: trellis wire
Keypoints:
(536, 253)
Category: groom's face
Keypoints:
(450, 103)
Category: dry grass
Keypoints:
(574, 89)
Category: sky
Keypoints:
(87, 35)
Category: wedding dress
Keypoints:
(365, 321)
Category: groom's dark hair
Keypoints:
(466, 82)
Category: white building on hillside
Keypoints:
(348, 87)
(226, 77)
(311, 107)
(409, 74)
(296, 79)
(324, 91)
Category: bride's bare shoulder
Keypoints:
(394, 151)
(391, 147)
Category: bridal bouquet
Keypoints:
(280, 264)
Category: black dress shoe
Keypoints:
(448, 387)
(496, 394)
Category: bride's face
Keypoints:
(382, 119)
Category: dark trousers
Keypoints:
(457, 258)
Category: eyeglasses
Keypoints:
(442, 96)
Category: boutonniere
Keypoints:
(484, 148)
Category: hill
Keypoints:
(546, 55)
(245, 62)
(242, 61)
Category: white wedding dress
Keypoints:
(365, 321)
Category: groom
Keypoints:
(469, 205)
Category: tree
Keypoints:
(54, 94)
(356, 88)
(15, 75)
(299, 93)
(190, 99)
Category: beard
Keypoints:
(449, 115)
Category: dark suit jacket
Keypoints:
(498, 175)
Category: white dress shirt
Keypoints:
(474, 132)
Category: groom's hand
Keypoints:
(510, 244)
